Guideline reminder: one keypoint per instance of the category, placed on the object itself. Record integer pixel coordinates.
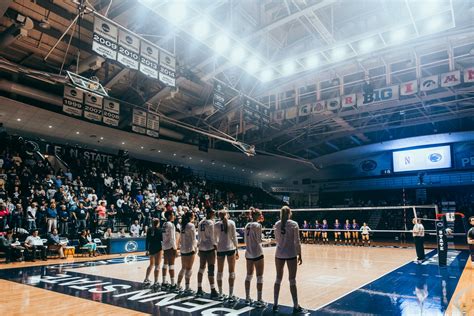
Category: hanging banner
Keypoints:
(149, 59)
(93, 107)
(153, 125)
(409, 88)
(139, 121)
(111, 114)
(105, 38)
(218, 96)
(128, 49)
(379, 95)
(167, 73)
(73, 101)
(451, 79)
(334, 104)
(429, 83)
(255, 113)
(469, 75)
(304, 110)
(348, 101)
(279, 115)
(318, 107)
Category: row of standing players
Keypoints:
(318, 233)
(218, 241)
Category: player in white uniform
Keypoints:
(225, 234)
(254, 256)
(365, 234)
(188, 247)
(287, 235)
(207, 252)
(169, 248)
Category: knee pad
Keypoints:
(171, 267)
(201, 271)
(248, 278)
(292, 282)
(219, 276)
(157, 268)
(260, 279)
(188, 273)
(210, 270)
(232, 275)
(164, 266)
(278, 281)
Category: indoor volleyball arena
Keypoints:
(237, 157)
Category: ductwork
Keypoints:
(40, 95)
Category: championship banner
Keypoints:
(318, 107)
(167, 73)
(149, 59)
(291, 113)
(105, 38)
(429, 83)
(451, 79)
(128, 49)
(469, 75)
(111, 114)
(93, 104)
(73, 101)
(409, 88)
(153, 125)
(304, 110)
(334, 104)
(139, 121)
(218, 96)
(349, 100)
(254, 112)
(379, 95)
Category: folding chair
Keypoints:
(102, 249)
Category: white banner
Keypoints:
(291, 113)
(304, 110)
(318, 107)
(451, 79)
(104, 39)
(409, 87)
(93, 107)
(469, 75)
(334, 104)
(167, 73)
(73, 101)
(279, 115)
(429, 83)
(111, 115)
(153, 122)
(128, 49)
(149, 59)
(379, 95)
(139, 118)
(349, 100)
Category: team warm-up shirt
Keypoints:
(337, 226)
(225, 241)
(169, 236)
(355, 226)
(288, 240)
(253, 240)
(206, 235)
(470, 234)
(188, 239)
(347, 226)
(365, 230)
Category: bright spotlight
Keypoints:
(434, 24)
(221, 44)
(253, 65)
(312, 61)
(289, 67)
(398, 35)
(237, 55)
(177, 11)
(338, 53)
(266, 75)
(367, 45)
(201, 29)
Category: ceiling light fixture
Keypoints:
(221, 44)
(338, 53)
(253, 65)
(366, 45)
(312, 61)
(266, 75)
(201, 29)
(237, 55)
(289, 68)
(18, 119)
(177, 11)
(398, 35)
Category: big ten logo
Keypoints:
(378, 95)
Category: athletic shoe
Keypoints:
(214, 294)
(199, 293)
(232, 299)
(299, 310)
(259, 304)
(188, 292)
(165, 286)
(221, 297)
(173, 288)
(275, 309)
(248, 302)
(156, 286)
(146, 283)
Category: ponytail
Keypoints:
(256, 214)
(185, 221)
(223, 217)
(284, 217)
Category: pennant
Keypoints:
(334, 104)
(451, 79)
(429, 83)
(349, 100)
(409, 87)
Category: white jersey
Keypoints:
(225, 241)
(253, 240)
(365, 230)
(188, 239)
(288, 240)
(169, 236)
(206, 240)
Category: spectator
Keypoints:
(12, 249)
(52, 217)
(31, 216)
(81, 216)
(135, 229)
(101, 213)
(84, 242)
(108, 233)
(55, 244)
(63, 220)
(33, 244)
(111, 213)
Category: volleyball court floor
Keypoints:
(340, 280)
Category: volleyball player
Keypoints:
(305, 231)
(470, 237)
(365, 234)
(154, 250)
(169, 249)
(355, 232)
(347, 232)
(188, 249)
(254, 256)
(227, 247)
(317, 232)
(337, 232)
(288, 251)
(207, 252)
(324, 232)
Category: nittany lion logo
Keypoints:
(149, 50)
(131, 246)
(129, 39)
(105, 28)
(435, 157)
